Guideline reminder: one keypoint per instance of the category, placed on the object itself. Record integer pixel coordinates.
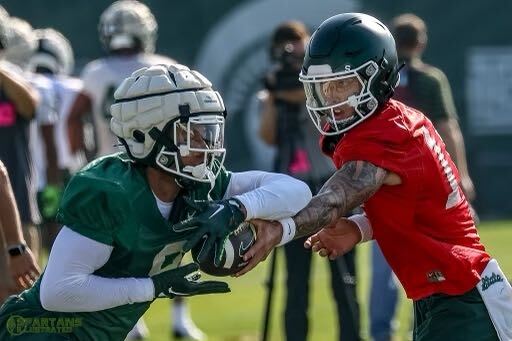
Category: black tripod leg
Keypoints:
(270, 290)
(351, 300)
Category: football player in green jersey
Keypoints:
(120, 248)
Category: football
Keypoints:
(238, 242)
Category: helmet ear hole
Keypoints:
(139, 136)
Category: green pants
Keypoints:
(455, 318)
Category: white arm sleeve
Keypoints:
(269, 196)
(68, 284)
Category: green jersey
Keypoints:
(111, 202)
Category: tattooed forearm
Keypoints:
(348, 188)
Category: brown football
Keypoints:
(237, 244)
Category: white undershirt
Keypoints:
(69, 285)
(164, 207)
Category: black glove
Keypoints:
(215, 220)
(184, 281)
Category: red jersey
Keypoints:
(423, 225)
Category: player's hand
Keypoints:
(268, 235)
(24, 270)
(335, 240)
(215, 220)
(184, 281)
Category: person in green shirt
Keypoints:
(120, 247)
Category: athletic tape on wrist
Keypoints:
(289, 229)
(364, 225)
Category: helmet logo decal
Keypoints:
(348, 67)
(370, 70)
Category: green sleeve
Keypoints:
(92, 207)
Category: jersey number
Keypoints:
(168, 258)
(454, 197)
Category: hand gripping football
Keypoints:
(237, 244)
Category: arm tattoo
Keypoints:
(348, 188)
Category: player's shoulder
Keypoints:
(429, 73)
(71, 83)
(109, 179)
(394, 124)
(11, 67)
(98, 199)
(153, 59)
(95, 67)
(38, 80)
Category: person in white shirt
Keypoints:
(127, 31)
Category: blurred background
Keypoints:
(228, 41)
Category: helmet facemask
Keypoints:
(325, 113)
(196, 147)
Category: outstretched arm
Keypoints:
(348, 188)
(257, 194)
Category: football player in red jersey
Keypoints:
(391, 160)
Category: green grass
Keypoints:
(238, 316)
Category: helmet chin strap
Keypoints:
(201, 172)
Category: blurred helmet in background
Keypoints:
(128, 24)
(4, 17)
(21, 42)
(53, 54)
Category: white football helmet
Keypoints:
(21, 42)
(127, 23)
(4, 32)
(169, 117)
(53, 52)
(3, 13)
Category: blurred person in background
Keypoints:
(18, 102)
(52, 63)
(18, 264)
(128, 32)
(43, 146)
(426, 88)
(285, 124)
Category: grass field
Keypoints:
(238, 316)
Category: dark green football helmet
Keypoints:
(349, 48)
